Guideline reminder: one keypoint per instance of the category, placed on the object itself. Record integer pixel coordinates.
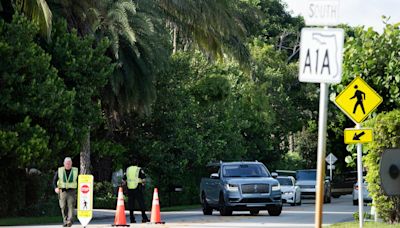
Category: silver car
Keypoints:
(291, 193)
(367, 198)
(306, 179)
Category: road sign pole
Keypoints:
(323, 110)
(360, 181)
(330, 167)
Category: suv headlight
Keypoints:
(276, 187)
(232, 187)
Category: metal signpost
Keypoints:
(331, 159)
(357, 101)
(85, 199)
(321, 54)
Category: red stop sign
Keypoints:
(85, 188)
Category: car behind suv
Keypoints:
(240, 186)
(306, 179)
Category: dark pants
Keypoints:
(136, 194)
(67, 199)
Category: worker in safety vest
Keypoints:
(65, 184)
(135, 180)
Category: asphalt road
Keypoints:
(340, 210)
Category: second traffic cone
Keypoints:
(155, 209)
(120, 218)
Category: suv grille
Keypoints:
(255, 188)
(256, 200)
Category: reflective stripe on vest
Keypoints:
(132, 176)
(67, 182)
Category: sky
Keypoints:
(358, 12)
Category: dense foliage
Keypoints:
(174, 84)
(386, 135)
(374, 57)
(43, 102)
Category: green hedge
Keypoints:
(386, 127)
(107, 202)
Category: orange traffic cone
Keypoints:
(155, 209)
(120, 219)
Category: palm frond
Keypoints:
(212, 25)
(39, 12)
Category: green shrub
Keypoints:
(102, 189)
(106, 202)
(386, 128)
(366, 216)
(45, 207)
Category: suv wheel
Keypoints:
(207, 210)
(254, 212)
(223, 209)
(275, 210)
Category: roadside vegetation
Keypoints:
(175, 85)
(366, 225)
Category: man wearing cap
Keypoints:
(135, 179)
(65, 185)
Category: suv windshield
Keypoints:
(244, 170)
(306, 175)
(285, 181)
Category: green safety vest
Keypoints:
(67, 182)
(132, 176)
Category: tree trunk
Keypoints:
(175, 39)
(85, 154)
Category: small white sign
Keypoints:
(321, 55)
(330, 167)
(322, 12)
(331, 159)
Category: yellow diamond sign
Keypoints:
(358, 100)
(353, 136)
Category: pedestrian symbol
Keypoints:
(360, 95)
(358, 100)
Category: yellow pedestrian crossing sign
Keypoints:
(353, 136)
(358, 100)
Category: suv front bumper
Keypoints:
(257, 201)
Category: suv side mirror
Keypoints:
(274, 175)
(214, 176)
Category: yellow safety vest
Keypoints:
(132, 176)
(67, 182)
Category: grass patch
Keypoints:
(181, 208)
(14, 221)
(366, 225)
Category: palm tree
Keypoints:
(213, 25)
(134, 47)
(36, 10)
(138, 36)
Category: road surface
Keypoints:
(340, 210)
